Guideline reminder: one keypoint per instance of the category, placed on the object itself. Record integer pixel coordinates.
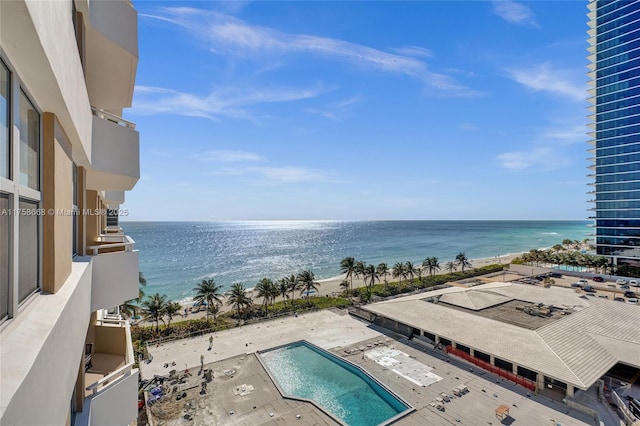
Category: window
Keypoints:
(5, 85)
(20, 197)
(4, 256)
(29, 143)
(74, 178)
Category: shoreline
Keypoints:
(330, 287)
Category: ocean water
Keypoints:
(176, 256)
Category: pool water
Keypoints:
(305, 371)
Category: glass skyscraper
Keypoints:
(614, 72)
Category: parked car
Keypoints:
(619, 299)
(555, 275)
(624, 287)
(612, 285)
(620, 281)
(598, 279)
(634, 283)
(629, 294)
(577, 284)
(633, 301)
(589, 289)
(603, 296)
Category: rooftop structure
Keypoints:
(67, 70)
(570, 350)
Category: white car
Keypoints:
(633, 301)
(621, 281)
(634, 283)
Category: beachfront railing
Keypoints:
(125, 245)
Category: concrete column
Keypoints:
(540, 381)
(454, 345)
(515, 368)
(570, 391)
(92, 221)
(492, 360)
(57, 202)
(437, 339)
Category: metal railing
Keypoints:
(111, 379)
(104, 115)
(126, 244)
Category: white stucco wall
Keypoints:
(40, 353)
(115, 279)
(38, 40)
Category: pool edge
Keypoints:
(410, 409)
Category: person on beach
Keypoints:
(210, 342)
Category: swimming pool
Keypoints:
(305, 371)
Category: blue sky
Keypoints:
(361, 110)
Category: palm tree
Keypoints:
(344, 285)
(283, 290)
(462, 261)
(153, 308)
(347, 266)
(383, 270)
(450, 267)
(294, 285)
(170, 310)
(410, 270)
(208, 291)
(307, 282)
(130, 308)
(398, 271)
(265, 290)
(214, 309)
(237, 297)
(432, 264)
(370, 274)
(359, 268)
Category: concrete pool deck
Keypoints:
(338, 332)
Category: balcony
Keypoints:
(111, 382)
(115, 153)
(111, 52)
(114, 271)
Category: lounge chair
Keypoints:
(445, 397)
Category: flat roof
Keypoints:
(576, 349)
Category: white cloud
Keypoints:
(575, 134)
(514, 12)
(336, 110)
(415, 51)
(544, 78)
(290, 174)
(228, 101)
(542, 158)
(226, 156)
(231, 36)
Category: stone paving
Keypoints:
(337, 332)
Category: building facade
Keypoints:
(614, 72)
(67, 69)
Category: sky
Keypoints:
(361, 110)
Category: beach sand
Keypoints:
(331, 286)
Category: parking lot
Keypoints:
(608, 288)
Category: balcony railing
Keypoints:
(125, 355)
(113, 118)
(125, 243)
(115, 271)
(111, 383)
